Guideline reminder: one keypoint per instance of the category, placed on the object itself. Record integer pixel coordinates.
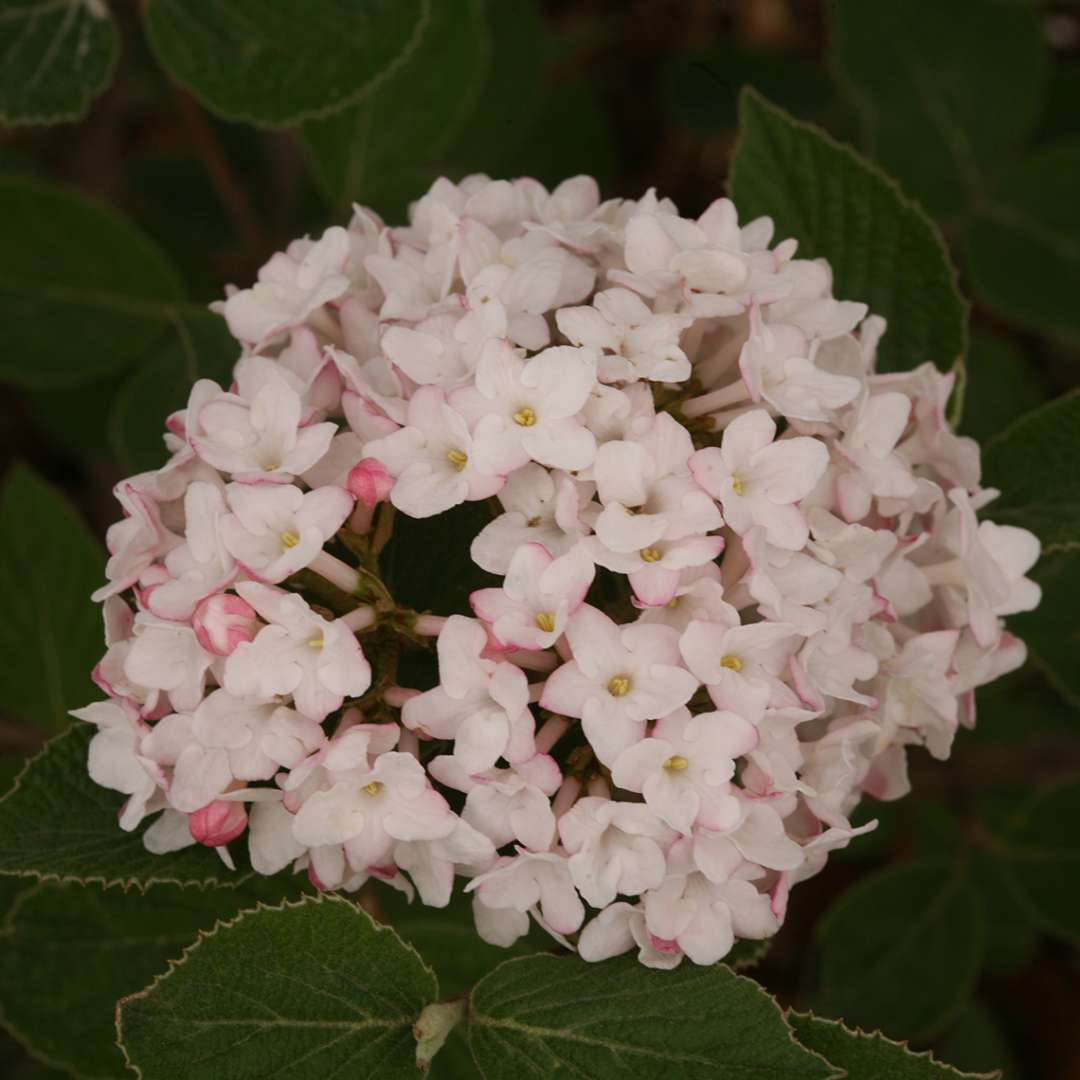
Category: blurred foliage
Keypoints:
(954, 924)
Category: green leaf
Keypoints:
(303, 990)
(57, 824)
(1052, 632)
(1032, 462)
(82, 292)
(1002, 384)
(701, 88)
(935, 110)
(512, 94)
(882, 248)
(51, 634)
(553, 1017)
(868, 1055)
(900, 951)
(70, 952)
(1040, 853)
(202, 348)
(1023, 247)
(387, 147)
(276, 63)
(58, 56)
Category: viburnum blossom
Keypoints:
(727, 576)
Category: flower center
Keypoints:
(457, 458)
(676, 763)
(315, 642)
(736, 483)
(650, 554)
(546, 621)
(289, 539)
(525, 417)
(619, 685)
(673, 603)
(373, 788)
(732, 663)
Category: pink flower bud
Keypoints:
(218, 822)
(370, 482)
(223, 621)
(664, 945)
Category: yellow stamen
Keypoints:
(546, 621)
(737, 484)
(458, 459)
(315, 642)
(732, 663)
(673, 603)
(650, 554)
(373, 788)
(619, 685)
(676, 763)
(525, 417)
(289, 539)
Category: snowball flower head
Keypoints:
(717, 588)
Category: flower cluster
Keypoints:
(736, 572)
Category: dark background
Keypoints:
(639, 94)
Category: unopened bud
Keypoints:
(218, 822)
(370, 482)
(223, 621)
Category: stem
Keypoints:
(384, 528)
(566, 796)
(536, 691)
(716, 399)
(360, 521)
(533, 660)
(396, 696)
(552, 730)
(429, 625)
(335, 571)
(409, 743)
(359, 618)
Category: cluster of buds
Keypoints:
(741, 573)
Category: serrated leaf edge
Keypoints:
(90, 92)
(901, 1043)
(749, 94)
(126, 884)
(472, 1014)
(244, 913)
(295, 120)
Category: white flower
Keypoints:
(275, 530)
(432, 459)
(683, 769)
(758, 481)
(619, 678)
(291, 286)
(539, 594)
(317, 661)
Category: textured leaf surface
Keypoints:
(82, 292)
(867, 1055)
(390, 143)
(1033, 463)
(51, 634)
(70, 952)
(935, 111)
(1041, 853)
(201, 348)
(277, 63)
(553, 1017)
(900, 951)
(57, 56)
(1023, 248)
(56, 823)
(883, 249)
(313, 989)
